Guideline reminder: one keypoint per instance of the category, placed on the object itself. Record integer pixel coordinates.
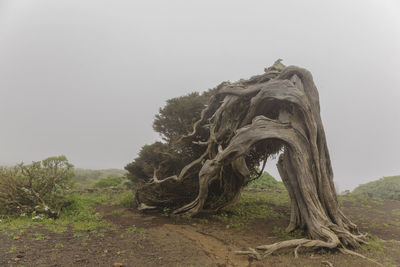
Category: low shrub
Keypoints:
(126, 199)
(39, 187)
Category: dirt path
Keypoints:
(135, 239)
(214, 248)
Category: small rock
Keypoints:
(17, 259)
(117, 264)
(105, 251)
(228, 226)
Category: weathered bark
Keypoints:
(249, 121)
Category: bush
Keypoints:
(167, 158)
(109, 181)
(39, 187)
(126, 199)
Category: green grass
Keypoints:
(86, 178)
(38, 236)
(125, 199)
(134, 229)
(386, 188)
(109, 181)
(266, 181)
(396, 212)
(116, 212)
(79, 216)
(253, 206)
(360, 200)
(12, 249)
(283, 234)
(375, 249)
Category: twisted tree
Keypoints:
(244, 124)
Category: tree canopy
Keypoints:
(173, 121)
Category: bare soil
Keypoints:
(136, 239)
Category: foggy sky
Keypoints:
(85, 78)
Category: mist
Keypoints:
(85, 78)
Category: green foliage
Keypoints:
(39, 187)
(178, 115)
(12, 249)
(266, 181)
(174, 120)
(38, 236)
(133, 228)
(80, 215)
(109, 181)
(85, 178)
(282, 233)
(126, 199)
(150, 158)
(387, 188)
(253, 206)
(116, 212)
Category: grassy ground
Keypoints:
(386, 188)
(103, 228)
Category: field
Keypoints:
(103, 229)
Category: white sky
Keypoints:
(85, 78)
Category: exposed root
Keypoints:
(252, 253)
(327, 263)
(189, 209)
(143, 206)
(297, 243)
(350, 252)
(303, 242)
(295, 251)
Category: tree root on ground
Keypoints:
(327, 263)
(303, 242)
(350, 252)
(252, 253)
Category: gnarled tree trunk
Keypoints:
(248, 121)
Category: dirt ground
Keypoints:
(136, 239)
